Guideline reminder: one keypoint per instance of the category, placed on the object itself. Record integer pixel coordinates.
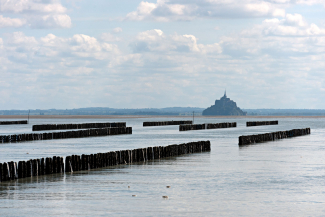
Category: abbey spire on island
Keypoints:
(224, 107)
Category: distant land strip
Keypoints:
(169, 111)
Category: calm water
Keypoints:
(282, 178)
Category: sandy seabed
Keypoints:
(137, 116)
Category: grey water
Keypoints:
(280, 178)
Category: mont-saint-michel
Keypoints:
(224, 107)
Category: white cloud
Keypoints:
(286, 54)
(35, 13)
(109, 37)
(50, 48)
(11, 22)
(163, 69)
(151, 35)
(289, 47)
(291, 25)
(310, 2)
(117, 30)
(134, 60)
(188, 10)
(171, 10)
(50, 21)
(49, 40)
(143, 10)
(156, 41)
(295, 20)
(19, 38)
(85, 43)
(32, 6)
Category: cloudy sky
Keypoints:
(161, 53)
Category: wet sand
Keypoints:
(24, 117)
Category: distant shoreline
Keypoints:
(24, 117)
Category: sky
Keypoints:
(162, 53)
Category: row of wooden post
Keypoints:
(34, 167)
(260, 123)
(164, 123)
(38, 167)
(13, 122)
(76, 126)
(206, 126)
(252, 139)
(66, 134)
(99, 160)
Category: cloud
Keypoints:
(295, 20)
(278, 54)
(52, 68)
(50, 21)
(19, 38)
(171, 10)
(109, 37)
(32, 6)
(279, 49)
(189, 10)
(291, 25)
(143, 11)
(160, 69)
(86, 46)
(309, 2)
(11, 22)
(20, 48)
(156, 41)
(117, 30)
(34, 13)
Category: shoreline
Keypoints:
(139, 116)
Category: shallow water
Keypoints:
(282, 178)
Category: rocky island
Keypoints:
(224, 107)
